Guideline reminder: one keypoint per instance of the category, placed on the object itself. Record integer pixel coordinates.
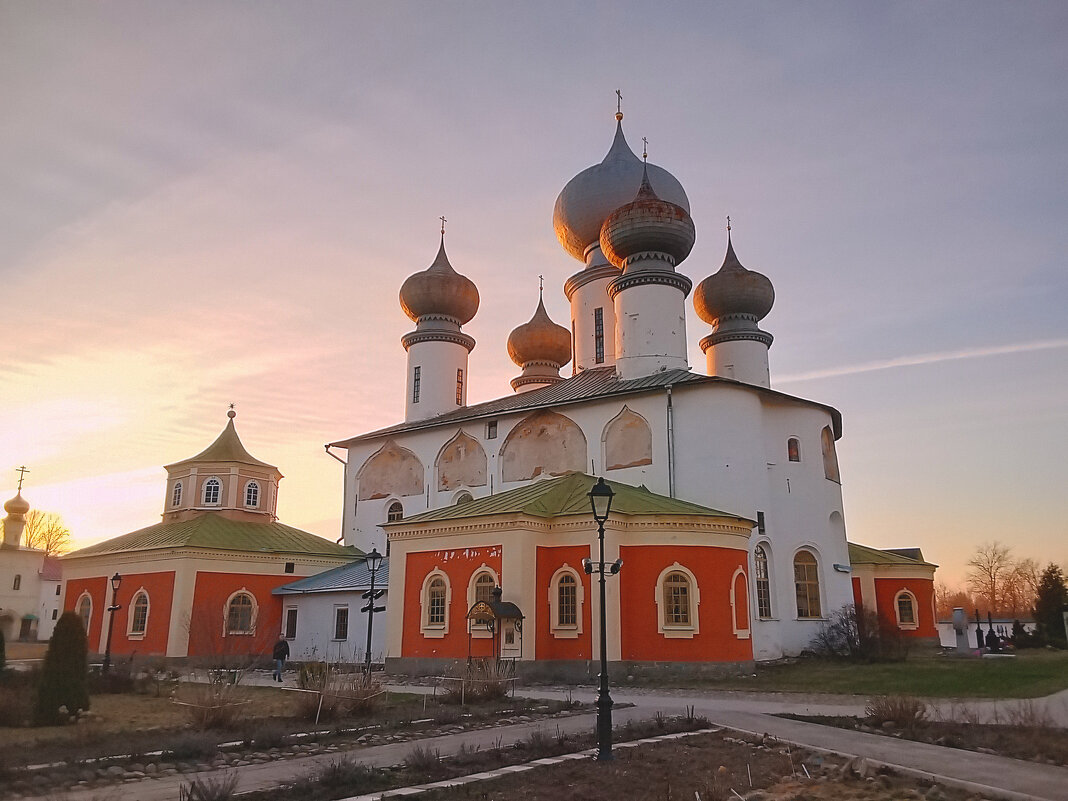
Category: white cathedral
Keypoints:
(728, 517)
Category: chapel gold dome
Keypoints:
(540, 340)
(17, 505)
(733, 290)
(597, 191)
(439, 290)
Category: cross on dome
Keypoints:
(22, 470)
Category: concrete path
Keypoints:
(993, 776)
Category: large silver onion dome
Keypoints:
(647, 224)
(439, 289)
(540, 340)
(733, 290)
(597, 191)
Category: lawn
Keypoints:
(1031, 674)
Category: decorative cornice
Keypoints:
(433, 335)
(649, 255)
(590, 274)
(647, 277)
(717, 337)
(523, 380)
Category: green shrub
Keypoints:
(63, 691)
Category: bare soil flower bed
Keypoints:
(1033, 743)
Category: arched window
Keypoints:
(793, 449)
(807, 585)
(436, 606)
(85, 610)
(905, 608)
(566, 601)
(830, 458)
(176, 495)
(395, 512)
(463, 497)
(763, 582)
(212, 491)
(252, 494)
(241, 614)
(17, 583)
(483, 587)
(139, 614)
(676, 599)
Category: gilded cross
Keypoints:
(619, 102)
(443, 221)
(22, 471)
(728, 222)
(645, 148)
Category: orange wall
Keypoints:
(858, 596)
(97, 587)
(549, 560)
(160, 589)
(923, 589)
(713, 568)
(459, 565)
(208, 618)
(741, 601)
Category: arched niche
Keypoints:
(628, 441)
(391, 470)
(544, 443)
(461, 463)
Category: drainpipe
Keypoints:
(670, 444)
(334, 455)
(344, 490)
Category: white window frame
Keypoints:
(252, 486)
(915, 624)
(87, 620)
(739, 632)
(389, 506)
(480, 632)
(285, 622)
(348, 620)
(674, 631)
(204, 491)
(176, 495)
(800, 456)
(565, 632)
(255, 614)
(435, 630)
(130, 633)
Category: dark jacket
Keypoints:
(281, 650)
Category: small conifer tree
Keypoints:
(64, 678)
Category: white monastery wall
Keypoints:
(315, 627)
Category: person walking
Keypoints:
(280, 655)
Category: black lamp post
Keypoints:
(601, 500)
(116, 581)
(374, 561)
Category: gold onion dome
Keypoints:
(647, 225)
(597, 191)
(17, 505)
(439, 290)
(733, 290)
(540, 340)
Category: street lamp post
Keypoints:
(374, 561)
(116, 580)
(601, 500)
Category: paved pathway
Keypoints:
(751, 712)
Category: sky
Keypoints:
(213, 203)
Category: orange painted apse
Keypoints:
(459, 566)
(558, 645)
(714, 640)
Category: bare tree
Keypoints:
(1026, 579)
(46, 531)
(990, 576)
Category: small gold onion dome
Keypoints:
(647, 224)
(540, 340)
(597, 191)
(17, 505)
(439, 289)
(733, 290)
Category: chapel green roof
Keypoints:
(567, 495)
(863, 555)
(212, 531)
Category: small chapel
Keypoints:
(728, 524)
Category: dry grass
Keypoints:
(903, 711)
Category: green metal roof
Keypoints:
(863, 555)
(214, 532)
(227, 447)
(567, 495)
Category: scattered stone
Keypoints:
(137, 766)
(888, 724)
(114, 771)
(151, 769)
(935, 794)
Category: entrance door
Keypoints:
(26, 629)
